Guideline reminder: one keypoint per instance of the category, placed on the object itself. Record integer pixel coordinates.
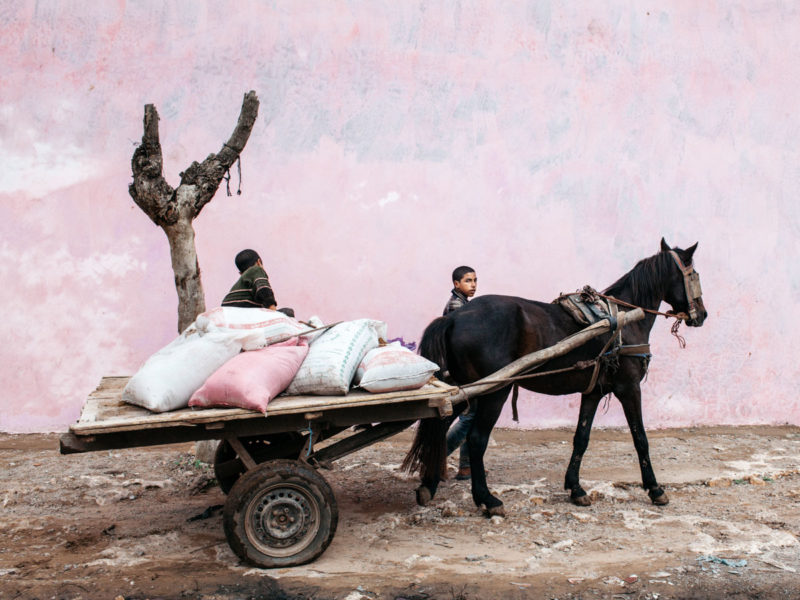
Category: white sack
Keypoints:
(254, 328)
(392, 368)
(315, 322)
(334, 356)
(169, 377)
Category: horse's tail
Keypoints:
(433, 345)
(428, 453)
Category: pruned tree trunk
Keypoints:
(191, 299)
(174, 209)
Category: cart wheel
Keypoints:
(228, 468)
(280, 514)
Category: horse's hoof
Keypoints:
(580, 498)
(583, 500)
(496, 511)
(658, 497)
(423, 495)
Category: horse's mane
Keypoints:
(644, 282)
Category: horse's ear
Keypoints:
(690, 250)
(664, 245)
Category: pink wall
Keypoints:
(549, 147)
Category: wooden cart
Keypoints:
(280, 511)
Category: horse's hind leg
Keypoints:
(580, 443)
(426, 490)
(428, 454)
(431, 476)
(631, 399)
(486, 415)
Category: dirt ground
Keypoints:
(146, 523)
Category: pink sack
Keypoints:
(251, 379)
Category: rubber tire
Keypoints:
(261, 448)
(294, 484)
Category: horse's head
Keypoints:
(683, 291)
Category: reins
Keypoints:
(679, 317)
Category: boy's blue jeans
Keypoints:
(458, 433)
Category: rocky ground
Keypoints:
(146, 523)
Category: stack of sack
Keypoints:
(244, 357)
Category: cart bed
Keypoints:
(107, 422)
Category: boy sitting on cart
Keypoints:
(252, 289)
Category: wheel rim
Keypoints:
(282, 520)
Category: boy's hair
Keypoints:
(246, 259)
(459, 273)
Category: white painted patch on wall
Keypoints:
(44, 168)
(90, 270)
(388, 199)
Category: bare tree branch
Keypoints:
(207, 175)
(149, 189)
(247, 117)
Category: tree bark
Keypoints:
(174, 209)
(191, 299)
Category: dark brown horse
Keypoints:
(492, 331)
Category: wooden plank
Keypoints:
(108, 393)
(104, 411)
(358, 440)
(90, 411)
(292, 404)
(443, 404)
(129, 418)
(242, 452)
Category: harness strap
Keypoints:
(613, 310)
(635, 350)
(640, 350)
(514, 397)
(597, 364)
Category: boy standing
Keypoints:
(252, 290)
(465, 282)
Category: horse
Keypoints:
(491, 331)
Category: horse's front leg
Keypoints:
(580, 442)
(486, 415)
(631, 398)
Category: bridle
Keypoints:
(691, 283)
